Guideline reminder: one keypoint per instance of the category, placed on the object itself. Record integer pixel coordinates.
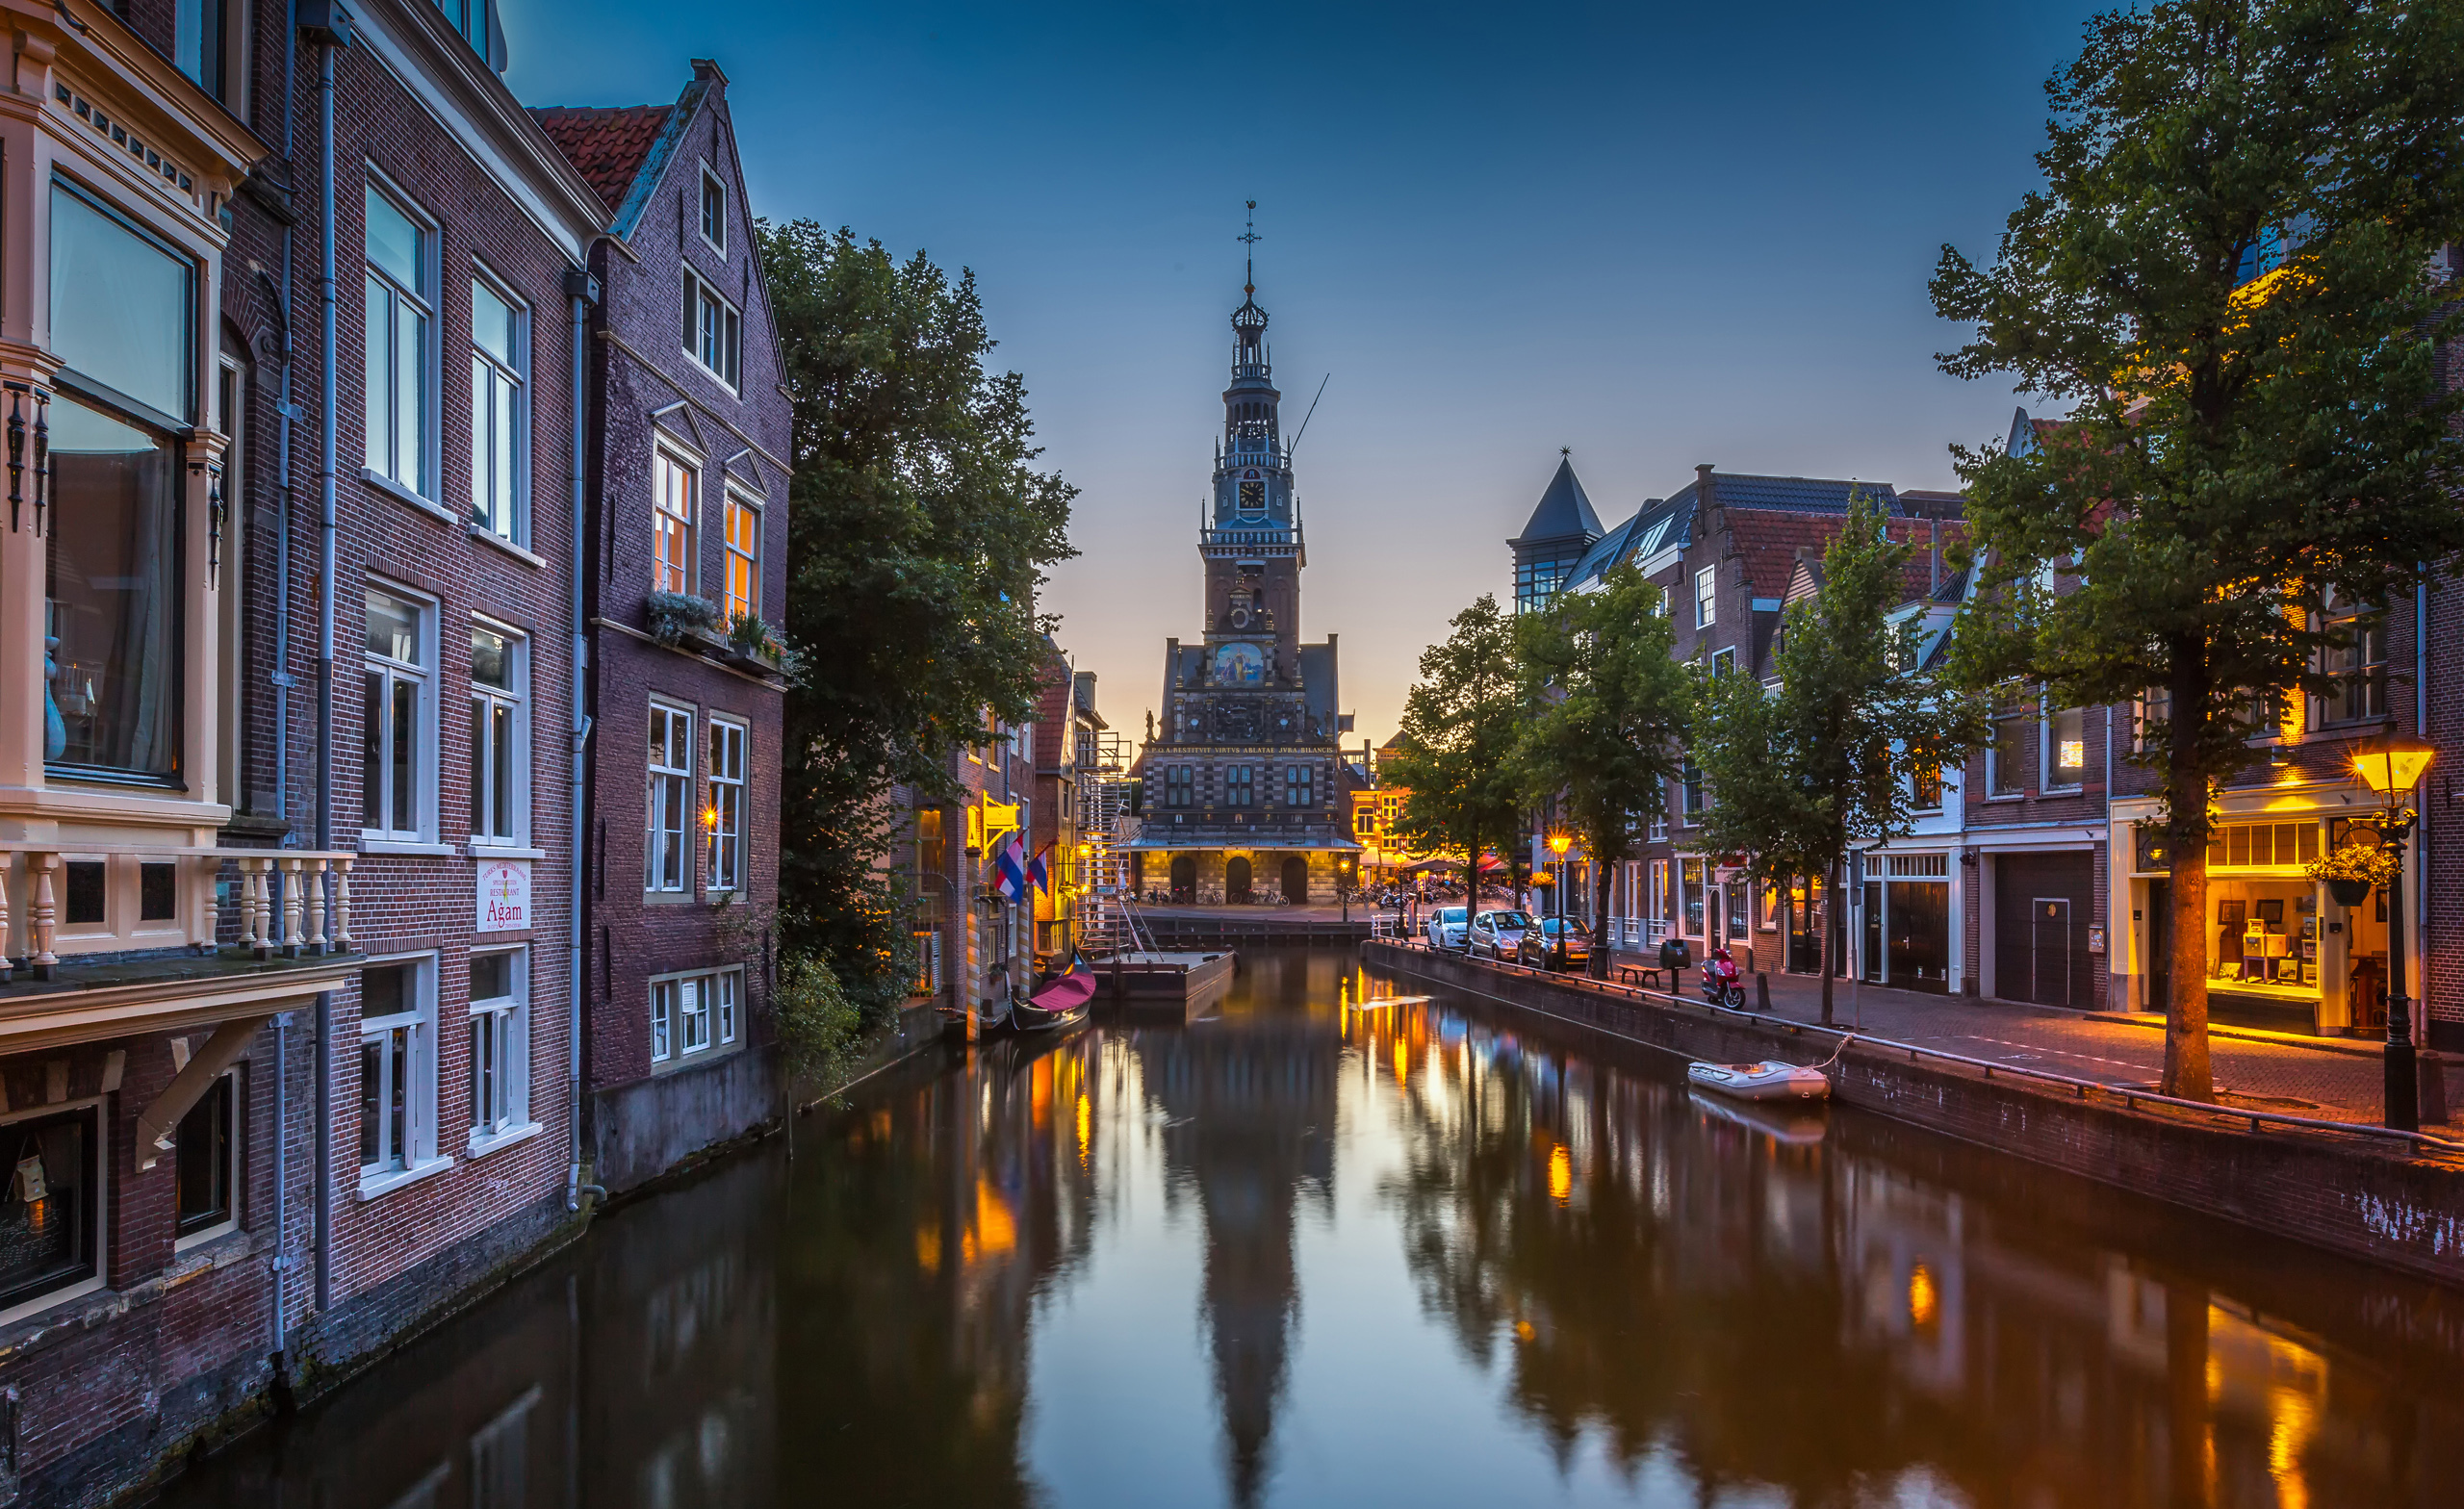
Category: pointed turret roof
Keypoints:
(1564, 512)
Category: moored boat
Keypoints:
(1061, 1001)
(1768, 1079)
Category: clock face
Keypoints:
(1253, 496)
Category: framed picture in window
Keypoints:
(2272, 910)
(2230, 913)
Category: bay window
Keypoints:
(400, 255)
(726, 815)
(496, 413)
(122, 322)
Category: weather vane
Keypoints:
(1249, 238)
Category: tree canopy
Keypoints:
(2232, 272)
(919, 532)
(1454, 755)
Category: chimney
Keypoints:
(1934, 552)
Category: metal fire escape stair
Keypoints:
(1109, 922)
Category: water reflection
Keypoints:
(1162, 1265)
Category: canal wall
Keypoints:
(2401, 1210)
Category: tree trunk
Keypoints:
(1829, 905)
(1598, 968)
(2187, 1069)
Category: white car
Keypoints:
(1444, 927)
(1497, 934)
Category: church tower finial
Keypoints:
(1249, 262)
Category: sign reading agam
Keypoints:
(504, 895)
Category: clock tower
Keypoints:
(1241, 779)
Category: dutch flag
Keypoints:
(1010, 866)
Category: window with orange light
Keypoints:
(723, 818)
(47, 1208)
(672, 486)
(743, 595)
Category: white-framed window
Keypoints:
(397, 772)
(2005, 758)
(741, 593)
(499, 1042)
(667, 862)
(402, 342)
(675, 489)
(397, 1069)
(500, 735)
(51, 1206)
(499, 411)
(1707, 596)
(694, 1013)
(714, 210)
(1724, 660)
(713, 329)
(725, 816)
(208, 1157)
(2065, 747)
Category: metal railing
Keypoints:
(2130, 1098)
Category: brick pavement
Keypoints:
(2334, 1078)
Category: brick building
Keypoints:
(1067, 745)
(286, 843)
(685, 540)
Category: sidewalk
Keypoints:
(2338, 1079)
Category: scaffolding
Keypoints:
(1109, 922)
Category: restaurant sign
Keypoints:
(504, 895)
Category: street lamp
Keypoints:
(2392, 764)
(1559, 841)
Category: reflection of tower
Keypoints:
(1259, 1095)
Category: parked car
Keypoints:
(1495, 933)
(1556, 943)
(1444, 927)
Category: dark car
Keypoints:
(1554, 943)
(1495, 933)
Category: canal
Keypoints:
(1425, 1254)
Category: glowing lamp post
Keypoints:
(2392, 765)
(1559, 841)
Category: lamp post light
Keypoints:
(2392, 764)
(1559, 841)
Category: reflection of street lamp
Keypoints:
(2392, 764)
(1559, 841)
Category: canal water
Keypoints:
(1308, 1253)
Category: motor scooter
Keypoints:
(1729, 993)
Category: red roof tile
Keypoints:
(1769, 540)
(606, 145)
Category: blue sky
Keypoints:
(1658, 235)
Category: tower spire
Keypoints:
(1250, 261)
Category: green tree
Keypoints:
(1455, 752)
(2231, 271)
(919, 532)
(1833, 758)
(1610, 708)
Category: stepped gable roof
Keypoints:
(1564, 511)
(606, 146)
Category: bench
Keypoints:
(1639, 975)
